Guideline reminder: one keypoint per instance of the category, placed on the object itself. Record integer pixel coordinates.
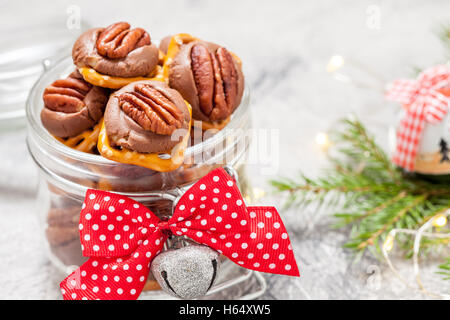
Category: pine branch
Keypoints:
(445, 269)
(393, 221)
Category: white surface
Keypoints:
(285, 46)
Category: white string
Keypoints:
(419, 234)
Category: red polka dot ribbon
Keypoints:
(425, 103)
(121, 237)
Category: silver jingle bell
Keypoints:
(188, 272)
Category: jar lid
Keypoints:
(25, 52)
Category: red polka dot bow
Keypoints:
(121, 237)
(424, 102)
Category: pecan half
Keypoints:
(216, 80)
(66, 95)
(117, 40)
(152, 110)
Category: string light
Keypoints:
(439, 221)
(323, 141)
(258, 193)
(255, 194)
(336, 62)
(389, 242)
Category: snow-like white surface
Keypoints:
(285, 47)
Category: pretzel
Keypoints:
(85, 141)
(101, 80)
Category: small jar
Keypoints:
(66, 174)
(432, 161)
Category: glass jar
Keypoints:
(66, 174)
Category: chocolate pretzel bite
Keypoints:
(72, 107)
(116, 55)
(210, 78)
(146, 124)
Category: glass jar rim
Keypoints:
(38, 130)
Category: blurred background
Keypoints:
(285, 47)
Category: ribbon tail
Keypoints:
(436, 107)
(120, 278)
(401, 90)
(269, 237)
(262, 246)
